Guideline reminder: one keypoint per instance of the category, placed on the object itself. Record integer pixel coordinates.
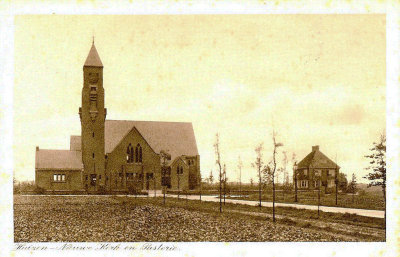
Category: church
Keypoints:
(118, 156)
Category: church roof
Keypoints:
(175, 137)
(93, 59)
(58, 159)
(316, 159)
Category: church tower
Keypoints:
(92, 115)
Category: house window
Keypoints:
(332, 173)
(303, 184)
(92, 134)
(93, 155)
(86, 177)
(99, 177)
(179, 170)
(316, 183)
(317, 172)
(59, 177)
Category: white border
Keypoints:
(9, 9)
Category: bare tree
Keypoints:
(258, 164)
(201, 182)
(251, 182)
(240, 165)
(165, 156)
(224, 181)
(295, 176)
(377, 176)
(218, 162)
(317, 179)
(276, 146)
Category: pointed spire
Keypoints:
(93, 59)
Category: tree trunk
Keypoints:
(259, 186)
(273, 198)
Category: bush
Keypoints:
(39, 190)
(102, 190)
(132, 190)
(361, 192)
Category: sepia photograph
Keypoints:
(199, 128)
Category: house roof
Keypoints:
(175, 137)
(75, 143)
(93, 59)
(58, 159)
(316, 159)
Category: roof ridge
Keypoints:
(41, 149)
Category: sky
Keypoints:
(314, 79)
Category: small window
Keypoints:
(93, 155)
(120, 174)
(92, 134)
(63, 177)
(55, 177)
(86, 177)
(59, 177)
(99, 177)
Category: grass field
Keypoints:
(116, 219)
(367, 200)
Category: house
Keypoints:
(315, 170)
(117, 155)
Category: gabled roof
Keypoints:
(316, 159)
(93, 59)
(75, 143)
(176, 137)
(58, 159)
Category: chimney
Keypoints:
(315, 148)
(37, 148)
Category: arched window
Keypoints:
(129, 154)
(138, 153)
(181, 170)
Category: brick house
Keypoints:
(316, 169)
(115, 155)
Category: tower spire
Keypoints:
(93, 58)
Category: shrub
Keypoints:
(132, 190)
(361, 192)
(39, 190)
(102, 190)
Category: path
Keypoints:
(361, 212)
